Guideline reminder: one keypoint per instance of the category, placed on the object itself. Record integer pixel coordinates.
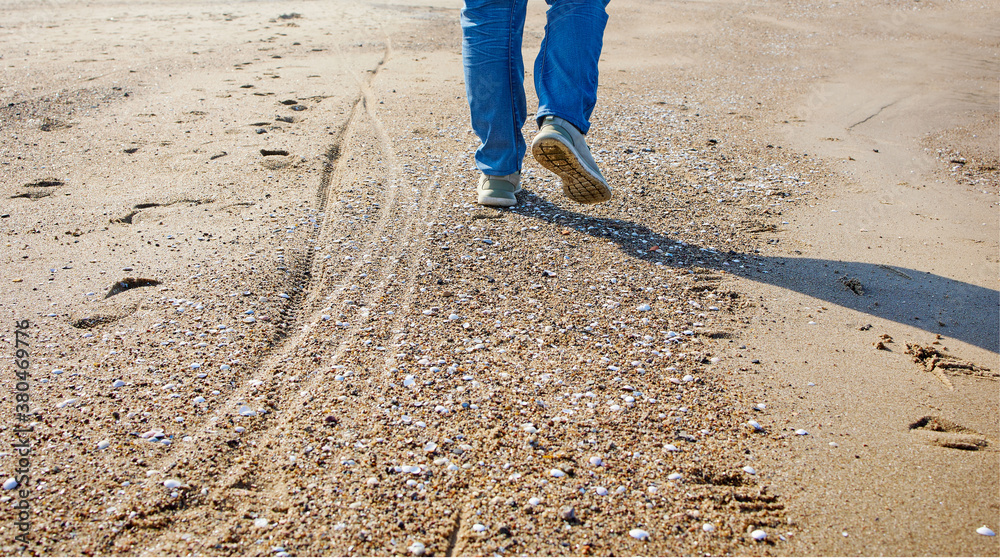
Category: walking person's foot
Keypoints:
(499, 191)
(560, 148)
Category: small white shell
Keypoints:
(674, 476)
(708, 527)
(417, 549)
(11, 483)
(644, 307)
(600, 491)
(758, 535)
(478, 528)
(557, 473)
(534, 501)
(171, 484)
(260, 523)
(756, 426)
(750, 470)
(801, 432)
(103, 444)
(431, 446)
(639, 534)
(596, 461)
(982, 530)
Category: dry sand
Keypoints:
(245, 237)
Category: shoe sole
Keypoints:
(579, 184)
(496, 202)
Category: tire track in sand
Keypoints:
(238, 475)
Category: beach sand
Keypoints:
(267, 317)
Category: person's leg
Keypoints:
(566, 82)
(494, 81)
(566, 67)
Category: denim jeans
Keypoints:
(565, 72)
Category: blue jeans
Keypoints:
(565, 72)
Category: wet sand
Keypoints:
(268, 318)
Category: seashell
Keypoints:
(639, 534)
(534, 501)
(246, 411)
(758, 535)
(600, 491)
(556, 472)
(801, 432)
(596, 461)
(674, 476)
(644, 307)
(707, 527)
(103, 444)
(118, 384)
(478, 528)
(260, 523)
(417, 549)
(171, 484)
(11, 483)
(756, 426)
(750, 470)
(431, 446)
(982, 530)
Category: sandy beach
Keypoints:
(253, 309)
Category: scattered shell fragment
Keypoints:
(758, 535)
(478, 528)
(639, 534)
(801, 432)
(756, 426)
(644, 307)
(567, 513)
(596, 461)
(171, 484)
(556, 472)
(750, 470)
(982, 530)
(707, 527)
(260, 523)
(11, 483)
(417, 549)
(103, 444)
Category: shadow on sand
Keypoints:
(933, 303)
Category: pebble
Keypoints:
(750, 470)
(567, 513)
(596, 461)
(758, 535)
(103, 444)
(478, 528)
(260, 523)
(639, 534)
(687, 378)
(556, 472)
(431, 446)
(674, 476)
(11, 483)
(534, 501)
(671, 448)
(247, 411)
(601, 491)
(417, 549)
(171, 484)
(707, 527)
(982, 530)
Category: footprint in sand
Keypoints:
(942, 432)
